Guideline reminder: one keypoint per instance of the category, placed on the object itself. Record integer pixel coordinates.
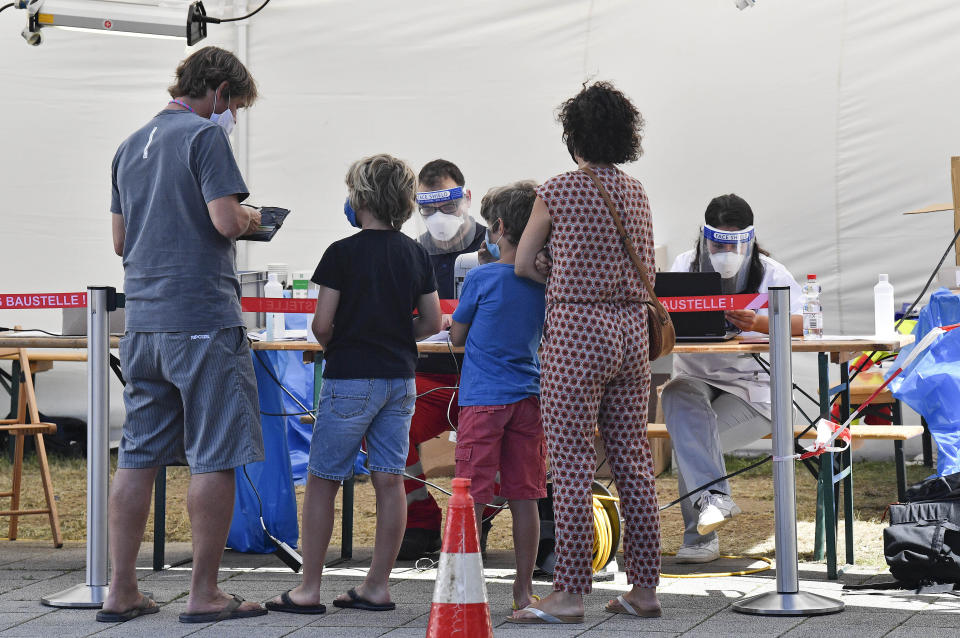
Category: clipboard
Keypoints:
(271, 219)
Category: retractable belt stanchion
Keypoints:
(788, 600)
(101, 300)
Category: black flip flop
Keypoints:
(146, 606)
(358, 602)
(231, 611)
(287, 605)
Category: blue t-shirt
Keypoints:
(179, 272)
(505, 313)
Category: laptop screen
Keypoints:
(693, 284)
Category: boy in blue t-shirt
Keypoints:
(500, 319)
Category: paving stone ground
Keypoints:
(692, 606)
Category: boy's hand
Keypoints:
(484, 256)
(543, 263)
(446, 321)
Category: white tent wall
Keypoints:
(831, 118)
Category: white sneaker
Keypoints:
(715, 510)
(702, 553)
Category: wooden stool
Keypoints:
(19, 427)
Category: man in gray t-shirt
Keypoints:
(191, 394)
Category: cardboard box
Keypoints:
(436, 456)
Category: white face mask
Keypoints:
(443, 227)
(224, 120)
(726, 263)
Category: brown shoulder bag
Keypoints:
(659, 325)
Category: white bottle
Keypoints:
(812, 310)
(883, 308)
(275, 323)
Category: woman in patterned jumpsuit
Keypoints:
(595, 360)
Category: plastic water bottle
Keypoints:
(883, 308)
(275, 323)
(812, 310)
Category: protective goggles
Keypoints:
(445, 201)
(728, 240)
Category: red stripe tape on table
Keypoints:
(43, 300)
(715, 302)
(263, 304)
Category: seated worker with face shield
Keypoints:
(446, 230)
(718, 403)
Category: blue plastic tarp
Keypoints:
(272, 477)
(931, 384)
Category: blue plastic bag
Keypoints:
(272, 476)
(931, 384)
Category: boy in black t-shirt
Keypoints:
(370, 284)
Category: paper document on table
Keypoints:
(287, 335)
(441, 337)
(870, 338)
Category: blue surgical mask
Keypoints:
(493, 247)
(350, 213)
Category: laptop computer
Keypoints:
(695, 326)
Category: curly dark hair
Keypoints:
(601, 125)
(208, 68)
(433, 173)
(733, 211)
(512, 204)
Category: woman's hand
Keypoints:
(745, 320)
(544, 262)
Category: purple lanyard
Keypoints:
(183, 104)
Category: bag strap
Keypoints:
(627, 242)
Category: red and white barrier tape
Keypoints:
(710, 303)
(828, 431)
(43, 300)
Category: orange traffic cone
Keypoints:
(460, 596)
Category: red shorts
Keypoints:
(504, 438)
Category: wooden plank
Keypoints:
(935, 208)
(48, 355)
(857, 432)
(955, 180)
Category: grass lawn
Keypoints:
(749, 534)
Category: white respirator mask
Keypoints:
(224, 120)
(727, 264)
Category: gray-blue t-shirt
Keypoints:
(179, 272)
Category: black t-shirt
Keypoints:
(443, 263)
(381, 275)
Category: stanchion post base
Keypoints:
(79, 597)
(793, 604)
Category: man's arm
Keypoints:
(119, 233)
(327, 301)
(458, 333)
(427, 321)
(231, 219)
(534, 238)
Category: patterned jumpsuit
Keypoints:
(595, 372)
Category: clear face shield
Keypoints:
(727, 252)
(443, 220)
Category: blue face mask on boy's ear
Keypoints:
(493, 247)
(350, 213)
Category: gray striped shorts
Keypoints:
(191, 399)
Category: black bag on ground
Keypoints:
(936, 488)
(70, 439)
(922, 544)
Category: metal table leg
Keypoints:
(159, 519)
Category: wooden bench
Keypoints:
(896, 433)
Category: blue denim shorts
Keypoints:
(351, 410)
